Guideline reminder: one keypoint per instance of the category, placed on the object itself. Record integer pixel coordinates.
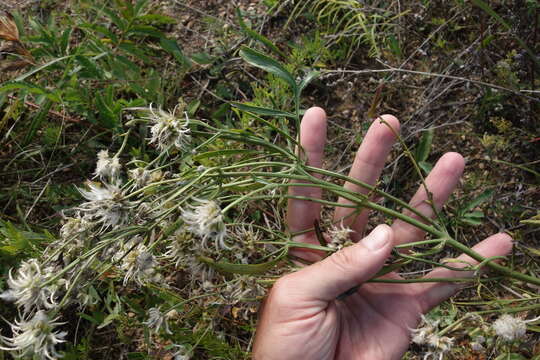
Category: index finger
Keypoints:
(302, 213)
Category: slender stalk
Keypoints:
(499, 268)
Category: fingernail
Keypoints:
(378, 238)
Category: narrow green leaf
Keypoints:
(202, 58)
(107, 118)
(172, 47)
(41, 67)
(258, 37)
(31, 88)
(64, 40)
(486, 195)
(425, 166)
(193, 106)
(78, 68)
(148, 30)
(262, 111)
(90, 68)
(157, 19)
(36, 121)
(139, 7)
(116, 20)
(266, 63)
(135, 51)
(244, 269)
(308, 79)
(283, 132)
(224, 152)
(389, 268)
(534, 251)
(424, 146)
(108, 320)
(101, 30)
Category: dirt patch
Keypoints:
(12, 5)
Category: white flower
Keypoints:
(242, 288)
(74, 227)
(35, 338)
(339, 236)
(157, 320)
(143, 177)
(27, 290)
(510, 328)
(421, 334)
(178, 246)
(428, 335)
(476, 345)
(206, 221)
(182, 354)
(139, 264)
(107, 166)
(168, 129)
(140, 176)
(106, 205)
(197, 270)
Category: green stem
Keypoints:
(499, 268)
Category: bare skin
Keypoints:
(302, 319)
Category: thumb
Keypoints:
(344, 269)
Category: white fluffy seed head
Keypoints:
(139, 264)
(427, 335)
(157, 320)
(107, 167)
(206, 221)
(168, 129)
(26, 288)
(509, 328)
(105, 205)
(35, 338)
(339, 236)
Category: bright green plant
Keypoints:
(352, 22)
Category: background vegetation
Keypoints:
(461, 76)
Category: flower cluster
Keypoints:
(107, 167)
(105, 205)
(206, 221)
(168, 129)
(35, 337)
(142, 223)
(158, 320)
(427, 335)
(510, 328)
(27, 289)
(139, 265)
(339, 237)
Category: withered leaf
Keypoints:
(15, 65)
(8, 28)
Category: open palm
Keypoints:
(302, 317)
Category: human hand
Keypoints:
(302, 319)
